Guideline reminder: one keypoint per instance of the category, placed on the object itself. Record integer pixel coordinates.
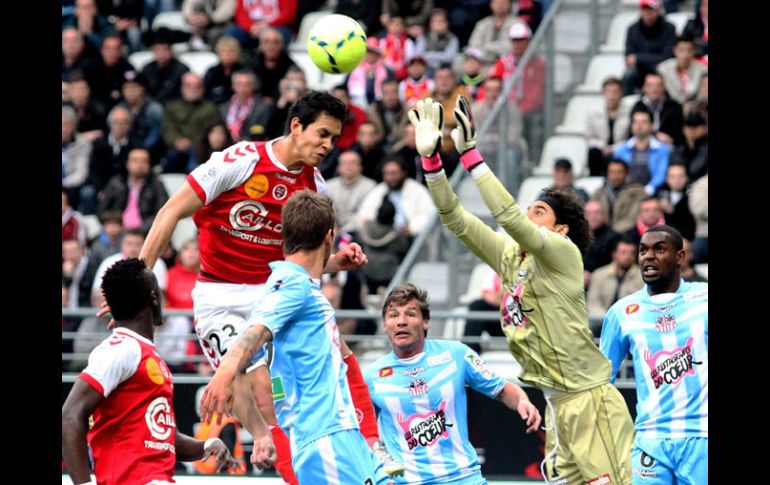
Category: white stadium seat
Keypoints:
(577, 110)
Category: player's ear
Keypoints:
(295, 126)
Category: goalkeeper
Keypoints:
(589, 430)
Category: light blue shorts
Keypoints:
(338, 458)
(670, 461)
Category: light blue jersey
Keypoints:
(311, 393)
(422, 410)
(667, 336)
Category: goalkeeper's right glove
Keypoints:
(464, 135)
(428, 121)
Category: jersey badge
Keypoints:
(386, 371)
(632, 308)
(256, 186)
(280, 192)
(418, 387)
(666, 323)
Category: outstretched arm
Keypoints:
(182, 204)
(515, 398)
(190, 449)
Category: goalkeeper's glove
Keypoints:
(428, 121)
(464, 135)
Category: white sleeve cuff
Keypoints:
(480, 170)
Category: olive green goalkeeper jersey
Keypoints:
(543, 312)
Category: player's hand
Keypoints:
(464, 135)
(105, 309)
(263, 454)
(350, 257)
(530, 414)
(225, 461)
(217, 398)
(428, 121)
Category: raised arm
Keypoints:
(182, 204)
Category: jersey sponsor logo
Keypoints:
(252, 238)
(283, 177)
(602, 480)
(280, 192)
(414, 371)
(153, 371)
(671, 367)
(256, 186)
(632, 308)
(386, 371)
(514, 312)
(418, 387)
(424, 429)
(478, 364)
(666, 323)
(696, 295)
(159, 418)
(248, 215)
(439, 359)
(279, 394)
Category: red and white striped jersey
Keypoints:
(134, 429)
(239, 227)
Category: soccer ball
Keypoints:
(336, 44)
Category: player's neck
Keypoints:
(665, 287)
(286, 152)
(144, 329)
(313, 261)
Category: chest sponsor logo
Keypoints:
(280, 192)
(249, 215)
(439, 359)
(256, 186)
(671, 367)
(478, 364)
(386, 371)
(513, 310)
(602, 480)
(414, 371)
(418, 387)
(666, 323)
(283, 177)
(424, 429)
(160, 419)
(632, 308)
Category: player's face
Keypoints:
(542, 214)
(659, 259)
(317, 139)
(405, 327)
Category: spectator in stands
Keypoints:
(75, 151)
(138, 194)
(619, 197)
(384, 245)
(125, 17)
(208, 20)
(246, 113)
(291, 88)
(488, 145)
(472, 75)
(355, 117)
(184, 123)
(75, 57)
(388, 113)
(365, 81)
(146, 115)
(85, 341)
(164, 73)
(647, 158)
(602, 128)
(405, 149)
(368, 145)
(78, 272)
(272, 62)
(649, 41)
(698, 29)
(666, 113)
(563, 178)
(92, 115)
(216, 139)
(107, 242)
(414, 14)
(253, 17)
(463, 16)
(599, 252)
(446, 92)
(219, 85)
(687, 271)
(694, 152)
(349, 190)
(529, 94)
(417, 84)
(439, 45)
(674, 201)
(681, 75)
(700, 104)
(365, 13)
(397, 47)
(109, 153)
(72, 226)
(491, 296)
(181, 280)
(531, 12)
(90, 22)
(650, 214)
(490, 35)
(410, 198)
(111, 69)
(699, 206)
(612, 282)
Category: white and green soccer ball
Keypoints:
(336, 44)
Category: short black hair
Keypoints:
(676, 237)
(313, 104)
(641, 109)
(619, 160)
(127, 289)
(573, 215)
(612, 80)
(562, 164)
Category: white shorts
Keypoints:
(220, 313)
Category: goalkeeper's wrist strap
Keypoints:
(432, 164)
(470, 159)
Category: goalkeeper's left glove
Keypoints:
(428, 121)
(464, 135)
